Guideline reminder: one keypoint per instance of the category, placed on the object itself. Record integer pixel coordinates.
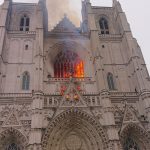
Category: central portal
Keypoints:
(74, 130)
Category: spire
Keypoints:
(87, 1)
(114, 2)
(42, 1)
(117, 4)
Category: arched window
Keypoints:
(104, 26)
(68, 64)
(13, 146)
(110, 81)
(130, 144)
(24, 23)
(26, 81)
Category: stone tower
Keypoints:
(71, 88)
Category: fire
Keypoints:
(79, 70)
(67, 70)
(68, 64)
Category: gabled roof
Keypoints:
(130, 117)
(65, 25)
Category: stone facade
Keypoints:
(106, 106)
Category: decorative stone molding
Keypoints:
(137, 131)
(76, 114)
(22, 111)
(15, 98)
(5, 136)
(145, 94)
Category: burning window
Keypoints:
(68, 64)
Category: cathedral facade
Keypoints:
(71, 88)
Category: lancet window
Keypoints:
(25, 81)
(104, 26)
(68, 64)
(24, 23)
(110, 81)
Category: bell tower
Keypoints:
(71, 88)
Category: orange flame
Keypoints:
(67, 70)
(79, 70)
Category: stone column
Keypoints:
(37, 104)
(36, 124)
(110, 121)
(39, 49)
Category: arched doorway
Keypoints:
(74, 130)
(12, 139)
(134, 137)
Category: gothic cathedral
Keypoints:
(71, 88)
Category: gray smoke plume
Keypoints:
(58, 8)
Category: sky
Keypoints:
(138, 15)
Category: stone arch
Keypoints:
(110, 22)
(67, 45)
(72, 46)
(12, 135)
(68, 63)
(98, 18)
(136, 132)
(74, 123)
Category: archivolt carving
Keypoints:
(81, 125)
(137, 132)
(12, 135)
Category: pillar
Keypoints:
(35, 136)
(109, 120)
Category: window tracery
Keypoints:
(104, 26)
(24, 23)
(68, 64)
(13, 146)
(110, 81)
(26, 81)
(130, 144)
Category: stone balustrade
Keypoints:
(130, 97)
(87, 79)
(53, 100)
(2, 95)
(15, 98)
(110, 37)
(22, 32)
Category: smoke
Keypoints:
(58, 8)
